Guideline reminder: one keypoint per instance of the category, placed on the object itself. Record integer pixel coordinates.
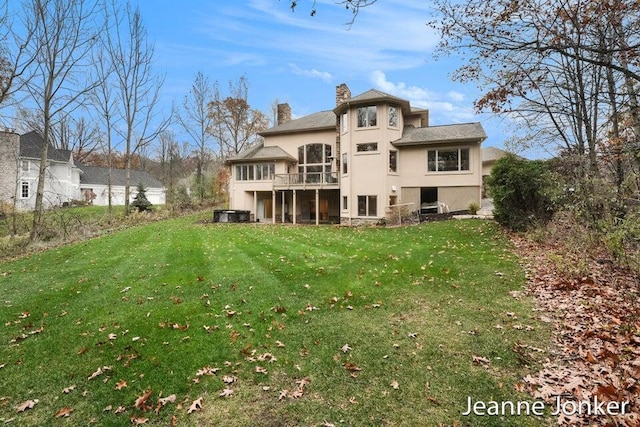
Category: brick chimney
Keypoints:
(283, 113)
(343, 94)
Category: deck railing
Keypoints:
(312, 179)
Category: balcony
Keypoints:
(306, 181)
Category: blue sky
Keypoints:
(299, 59)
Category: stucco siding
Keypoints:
(459, 198)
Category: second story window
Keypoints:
(314, 160)
(366, 147)
(25, 165)
(448, 160)
(367, 116)
(393, 161)
(393, 116)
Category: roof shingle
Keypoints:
(463, 132)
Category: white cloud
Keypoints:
(313, 73)
(443, 107)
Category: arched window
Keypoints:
(313, 161)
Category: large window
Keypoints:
(367, 116)
(447, 160)
(367, 205)
(260, 172)
(393, 161)
(24, 190)
(393, 116)
(314, 160)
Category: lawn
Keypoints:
(186, 322)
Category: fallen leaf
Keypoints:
(28, 404)
(63, 412)
(261, 370)
(195, 406)
(395, 384)
(69, 389)
(345, 348)
(227, 392)
(229, 379)
(351, 367)
(169, 399)
(136, 421)
(480, 360)
(99, 372)
(120, 385)
(141, 400)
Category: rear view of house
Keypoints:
(349, 164)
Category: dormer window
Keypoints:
(367, 116)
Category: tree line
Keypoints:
(81, 74)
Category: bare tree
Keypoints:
(351, 5)
(194, 118)
(64, 32)
(103, 100)
(234, 123)
(16, 55)
(138, 88)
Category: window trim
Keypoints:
(456, 171)
(344, 123)
(397, 125)
(363, 144)
(24, 163)
(395, 170)
(344, 167)
(368, 206)
(366, 125)
(23, 185)
(251, 170)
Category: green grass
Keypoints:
(413, 304)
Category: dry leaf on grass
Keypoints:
(195, 406)
(64, 412)
(227, 392)
(27, 404)
(142, 400)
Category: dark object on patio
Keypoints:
(222, 215)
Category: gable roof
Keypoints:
(262, 153)
(317, 121)
(31, 148)
(463, 132)
(100, 176)
(491, 154)
(373, 96)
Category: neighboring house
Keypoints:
(349, 164)
(65, 181)
(20, 167)
(94, 186)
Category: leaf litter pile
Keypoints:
(596, 321)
